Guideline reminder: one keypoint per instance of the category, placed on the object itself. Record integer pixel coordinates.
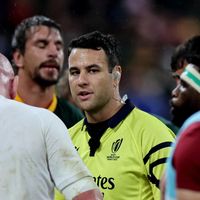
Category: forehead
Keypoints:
(85, 57)
(43, 32)
(191, 76)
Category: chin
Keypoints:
(51, 79)
(81, 105)
(46, 81)
(86, 107)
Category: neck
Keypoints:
(104, 113)
(33, 94)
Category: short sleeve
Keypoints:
(65, 165)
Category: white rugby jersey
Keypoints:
(36, 154)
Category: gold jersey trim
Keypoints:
(51, 107)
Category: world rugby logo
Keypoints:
(116, 145)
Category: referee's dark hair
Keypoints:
(97, 41)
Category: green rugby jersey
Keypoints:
(131, 157)
(66, 111)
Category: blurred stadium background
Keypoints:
(148, 30)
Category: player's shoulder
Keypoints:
(77, 127)
(143, 116)
(148, 123)
(30, 111)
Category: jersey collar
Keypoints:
(118, 117)
(51, 107)
(97, 130)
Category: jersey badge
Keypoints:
(114, 149)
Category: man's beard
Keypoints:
(49, 80)
(45, 82)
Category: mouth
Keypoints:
(51, 65)
(174, 108)
(84, 95)
(171, 106)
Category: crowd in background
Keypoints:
(148, 30)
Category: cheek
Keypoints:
(72, 85)
(61, 57)
(30, 60)
(185, 99)
(194, 98)
(104, 87)
(30, 66)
